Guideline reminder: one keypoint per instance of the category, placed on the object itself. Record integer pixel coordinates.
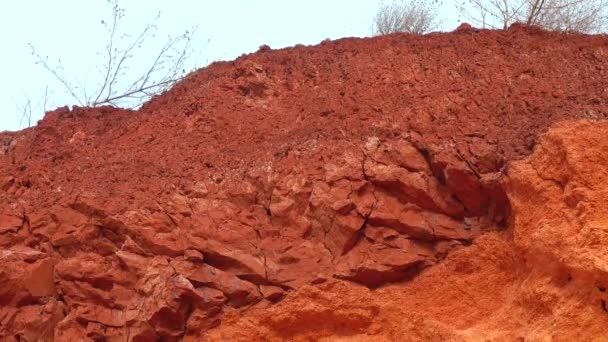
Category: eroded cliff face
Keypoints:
(542, 279)
(316, 192)
(372, 214)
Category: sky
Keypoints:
(72, 30)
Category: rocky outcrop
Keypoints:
(544, 278)
(372, 217)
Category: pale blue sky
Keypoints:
(71, 30)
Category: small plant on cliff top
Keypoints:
(116, 86)
(414, 16)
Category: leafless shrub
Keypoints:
(492, 13)
(414, 16)
(27, 108)
(587, 16)
(113, 86)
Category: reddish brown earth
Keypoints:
(362, 189)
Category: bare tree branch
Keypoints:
(114, 88)
(587, 16)
(27, 108)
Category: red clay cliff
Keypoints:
(389, 188)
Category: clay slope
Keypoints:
(362, 160)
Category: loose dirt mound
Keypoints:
(364, 160)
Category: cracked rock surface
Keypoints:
(360, 162)
(544, 278)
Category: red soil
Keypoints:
(361, 161)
